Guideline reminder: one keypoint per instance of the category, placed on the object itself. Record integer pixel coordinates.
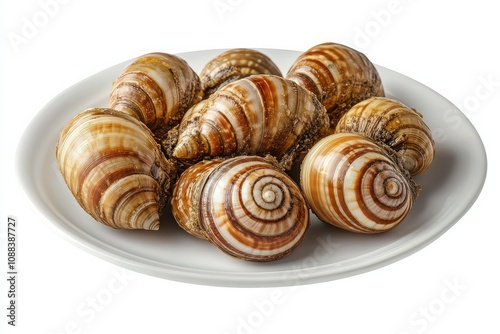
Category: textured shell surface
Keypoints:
(232, 65)
(246, 206)
(157, 89)
(353, 183)
(115, 169)
(257, 115)
(339, 75)
(396, 125)
(186, 196)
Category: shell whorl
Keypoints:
(232, 65)
(353, 183)
(248, 208)
(396, 125)
(157, 89)
(115, 169)
(257, 115)
(339, 76)
(185, 200)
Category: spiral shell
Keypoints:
(115, 169)
(394, 124)
(232, 65)
(353, 183)
(257, 115)
(157, 89)
(339, 76)
(245, 206)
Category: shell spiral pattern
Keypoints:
(249, 208)
(352, 183)
(157, 89)
(257, 115)
(115, 169)
(232, 65)
(394, 124)
(339, 76)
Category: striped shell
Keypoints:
(115, 169)
(258, 115)
(157, 89)
(339, 76)
(245, 206)
(353, 183)
(394, 124)
(186, 196)
(232, 65)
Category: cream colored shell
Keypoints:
(246, 206)
(257, 115)
(115, 169)
(353, 183)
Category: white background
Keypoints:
(449, 46)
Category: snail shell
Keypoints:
(394, 124)
(186, 196)
(232, 65)
(257, 115)
(353, 183)
(115, 169)
(246, 206)
(157, 89)
(339, 76)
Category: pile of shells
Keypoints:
(218, 147)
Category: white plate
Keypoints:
(450, 187)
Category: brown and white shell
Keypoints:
(396, 125)
(353, 183)
(186, 196)
(232, 65)
(157, 89)
(257, 115)
(340, 77)
(115, 169)
(246, 206)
